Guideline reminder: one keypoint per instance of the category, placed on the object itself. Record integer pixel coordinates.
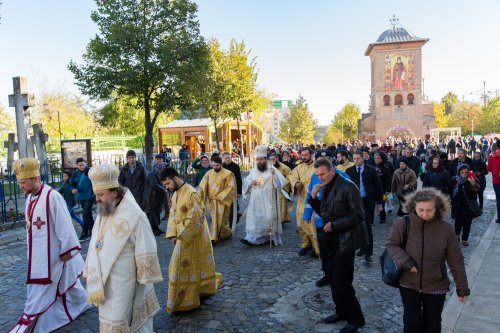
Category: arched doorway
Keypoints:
(400, 131)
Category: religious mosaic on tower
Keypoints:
(399, 72)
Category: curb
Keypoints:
(11, 237)
(453, 308)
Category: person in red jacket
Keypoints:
(494, 167)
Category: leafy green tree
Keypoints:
(332, 135)
(149, 50)
(65, 116)
(440, 115)
(229, 87)
(450, 100)
(344, 125)
(489, 120)
(7, 121)
(121, 116)
(7, 125)
(298, 125)
(465, 115)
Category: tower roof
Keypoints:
(396, 34)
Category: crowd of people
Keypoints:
(337, 192)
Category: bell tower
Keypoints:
(397, 107)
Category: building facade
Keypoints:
(271, 119)
(397, 107)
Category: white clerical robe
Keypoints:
(55, 295)
(121, 269)
(263, 211)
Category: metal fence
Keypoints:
(12, 199)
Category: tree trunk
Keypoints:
(216, 136)
(148, 138)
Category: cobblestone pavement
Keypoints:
(263, 290)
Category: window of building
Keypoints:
(410, 99)
(398, 100)
(387, 100)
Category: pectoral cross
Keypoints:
(39, 223)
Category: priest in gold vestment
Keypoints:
(218, 188)
(122, 261)
(191, 273)
(299, 181)
(285, 171)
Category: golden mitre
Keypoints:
(26, 168)
(104, 177)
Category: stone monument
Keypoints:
(21, 100)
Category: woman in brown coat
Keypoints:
(404, 181)
(431, 243)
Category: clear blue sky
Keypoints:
(313, 48)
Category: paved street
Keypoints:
(263, 290)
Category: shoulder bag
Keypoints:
(390, 270)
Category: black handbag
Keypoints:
(390, 271)
(474, 208)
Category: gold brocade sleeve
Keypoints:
(146, 254)
(171, 229)
(193, 210)
(228, 185)
(203, 187)
(294, 178)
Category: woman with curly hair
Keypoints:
(431, 244)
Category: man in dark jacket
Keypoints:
(154, 194)
(133, 176)
(235, 169)
(347, 232)
(366, 179)
(413, 161)
(82, 187)
(462, 158)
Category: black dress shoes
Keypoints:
(349, 328)
(333, 319)
(303, 251)
(244, 241)
(322, 282)
(360, 253)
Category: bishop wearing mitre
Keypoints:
(55, 295)
(122, 262)
(263, 184)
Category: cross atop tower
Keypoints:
(394, 22)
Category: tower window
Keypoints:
(387, 100)
(398, 100)
(410, 99)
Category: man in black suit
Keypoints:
(366, 178)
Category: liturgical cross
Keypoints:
(38, 223)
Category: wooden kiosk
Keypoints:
(199, 135)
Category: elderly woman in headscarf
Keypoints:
(463, 187)
(154, 195)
